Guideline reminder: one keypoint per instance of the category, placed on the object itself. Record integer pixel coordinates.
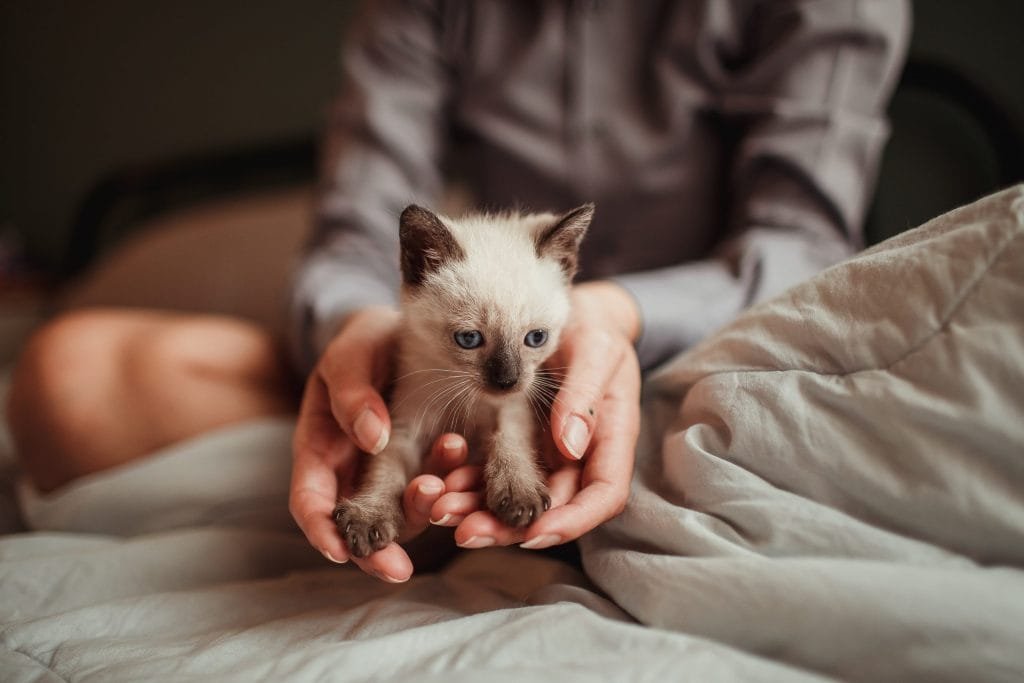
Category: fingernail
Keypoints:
(369, 429)
(332, 558)
(390, 579)
(452, 444)
(575, 436)
(542, 541)
(474, 542)
(448, 520)
(431, 488)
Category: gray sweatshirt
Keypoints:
(730, 145)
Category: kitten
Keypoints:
(484, 300)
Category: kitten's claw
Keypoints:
(516, 506)
(366, 529)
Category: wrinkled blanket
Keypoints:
(838, 477)
(831, 487)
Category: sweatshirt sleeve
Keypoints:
(382, 152)
(805, 90)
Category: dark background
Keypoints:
(89, 89)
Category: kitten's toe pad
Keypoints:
(518, 506)
(366, 529)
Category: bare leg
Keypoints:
(97, 388)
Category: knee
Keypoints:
(76, 359)
(207, 348)
(98, 387)
(62, 365)
(65, 352)
(57, 389)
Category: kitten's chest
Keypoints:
(431, 402)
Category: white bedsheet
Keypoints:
(831, 487)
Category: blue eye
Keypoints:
(535, 338)
(469, 339)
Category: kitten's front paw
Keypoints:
(367, 528)
(518, 505)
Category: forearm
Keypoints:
(680, 305)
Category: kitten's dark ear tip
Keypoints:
(416, 219)
(584, 211)
(562, 240)
(413, 212)
(426, 244)
(581, 216)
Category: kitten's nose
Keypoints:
(501, 371)
(504, 383)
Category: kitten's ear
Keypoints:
(426, 244)
(561, 241)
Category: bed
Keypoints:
(831, 487)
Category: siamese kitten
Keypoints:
(484, 299)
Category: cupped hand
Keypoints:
(343, 413)
(595, 419)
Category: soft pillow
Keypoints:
(821, 480)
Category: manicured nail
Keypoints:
(332, 558)
(431, 488)
(477, 542)
(368, 429)
(390, 579)
(575, 436)
(452, 444)
(448, 520)
(542, 541)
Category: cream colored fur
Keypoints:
(500, 286)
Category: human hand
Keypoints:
(342, 413)
(596, 416)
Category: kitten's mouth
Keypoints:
(502, 390)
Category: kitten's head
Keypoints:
(488, 295)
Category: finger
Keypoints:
(448, 452)
(593, 505)
(390, 563)
(564, 483)
(354, 367)
(466, 478)
(314, 515)
(451, 508)
(462, 496)
(418, 499)
(607, 471)
(320, 451)
(592, 358)
(481, 528)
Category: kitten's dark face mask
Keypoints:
(505, 362)
(496, 331)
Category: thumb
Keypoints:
(593, 357)
(354, 366)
